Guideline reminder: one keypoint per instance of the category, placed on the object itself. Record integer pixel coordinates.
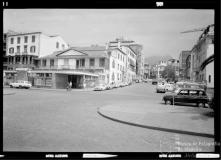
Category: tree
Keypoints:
(169, 73)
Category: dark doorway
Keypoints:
(73, 79)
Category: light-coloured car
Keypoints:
(160, 88)
(169, 87)
(20, 84)
(100, 87)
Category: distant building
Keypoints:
(175, 64)
(188, 68)
(136, 48)
(182, 63)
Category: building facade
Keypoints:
(182, 63)
(202, 58)
(137, 50)
(22, 50)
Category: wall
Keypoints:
(48, 45)
(210, 71)
(21, 44)
(61, 81)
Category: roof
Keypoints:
(18, 34)
(87, 51)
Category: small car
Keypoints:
(100, 87)
(160, 88)
(20, 84)
(154, 82)
(187, 95)
(169, 87)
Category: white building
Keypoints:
(22, 48)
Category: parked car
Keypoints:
(20, 84)
(187, 95)
(169, 87)
(154, 82)
(160, 88)
(100, 87)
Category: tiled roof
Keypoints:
(90, 51)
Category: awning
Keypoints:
(64, 72)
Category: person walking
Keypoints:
(70, 85)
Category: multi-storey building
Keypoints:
(136, 49)
(202, 58)
(175, 65)
(23, 48)
(85, 67)
(182, 63)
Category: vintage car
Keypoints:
(100, 87)
(160, 88)
(20, 84)
(187, 95)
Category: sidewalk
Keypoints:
(178, 119)
(52, 89)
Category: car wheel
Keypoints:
(11, 86)
(201, 104)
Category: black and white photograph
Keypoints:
(108, 80)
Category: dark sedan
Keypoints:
(187, 95)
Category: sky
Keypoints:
(157, 30)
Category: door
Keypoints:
(182, 96)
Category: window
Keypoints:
(52, 62)
(32, 49)
(77, 63)
(91, 61)
(101, 62)
(63, 46)
(25, 48)
(209, 78)
(80, 63)
(113, 76)
(18, 49)
(12, 40)
(193, 93)
(113, 64)
(26, 39)
(33, 38)
(18, 40)
(57, 45)
(44, 62)
(118, 76)
(183, 92)
(118, 66)
(11, 50)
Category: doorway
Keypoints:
(73, 79)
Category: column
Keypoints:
(28, 59)
(13, 59)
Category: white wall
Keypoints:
(210, 50)
(22, 44)
(48, 45)
(210, 71)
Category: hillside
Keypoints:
(155, 59)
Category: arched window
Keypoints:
(57, 45)
(113, 64)
(32, 49)
(11, 50)
(113, 76)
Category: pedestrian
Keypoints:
(70, 85)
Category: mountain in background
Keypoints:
(155, 59)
